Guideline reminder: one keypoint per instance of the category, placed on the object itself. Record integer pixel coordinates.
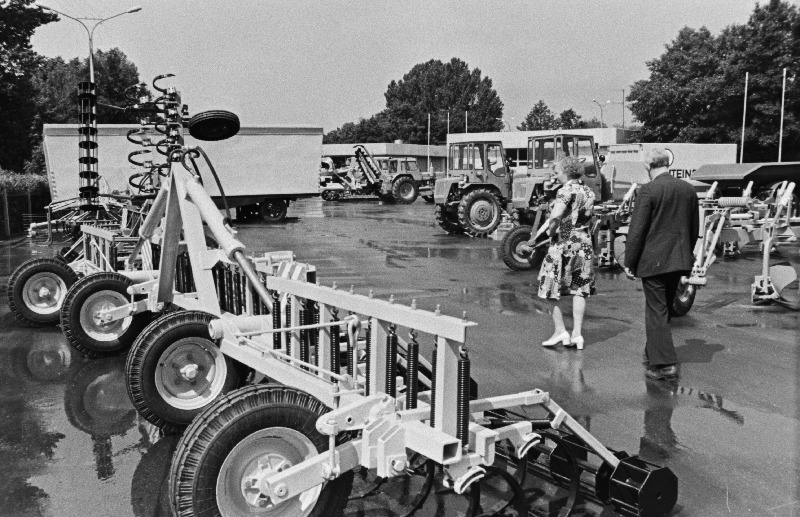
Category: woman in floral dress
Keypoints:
(568, 268)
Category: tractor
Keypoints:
(391, 179)
(478, 187)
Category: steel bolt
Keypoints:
(398, 465)
(281, 490)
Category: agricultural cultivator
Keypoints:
(479, 188)
(392, 180)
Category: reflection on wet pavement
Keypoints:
(71, 443)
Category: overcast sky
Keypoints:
(329, 62)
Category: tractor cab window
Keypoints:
(565, 147)
(458, 157)
(383, 164)
(477, 153)
(411, 166)
(393, 167)
(586, 156)
(530, 154)
(494, 158)
(544, 152)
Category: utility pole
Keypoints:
(429, 143)
(466, 121)
(744, 115)
(783, 99)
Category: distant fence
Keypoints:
(21, 196)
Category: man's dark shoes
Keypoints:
(663, 373)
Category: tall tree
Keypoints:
(18, 21)
(538, 118)
(432, 88)
(568, 119)
(696, 87)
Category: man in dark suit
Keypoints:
(660, 250)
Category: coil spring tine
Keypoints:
(314, 334)
(276, 319)
(335, 334)
(391, 361)
(303, 332)
(412, 372)
(351, 355)
(237, 292)
(229, 289)
(462, 409)
(286, 336)
(367, 387)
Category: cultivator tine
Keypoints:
(412, 372)
(368, 358)
(287, 339)
(276, 320)
(391, 362)
(304, 337)
(462, 404)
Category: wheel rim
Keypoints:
(685, 291)
(90, 316)
(191, 373)
(482, 214)
(517, 254)
(259, 455)
(43, 293)
(406, 190)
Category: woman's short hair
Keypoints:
(571, 167)
(656, 157)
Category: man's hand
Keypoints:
(629, 274)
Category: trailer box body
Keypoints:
(260, 162)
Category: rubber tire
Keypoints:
(684, 299)
(273, 210)
(22, 274)
(508, 246)
(329, 195)
(144, 357)
(446, 222)
(71, 316)
(397, 187)
(217, 430)
(464, 209)
(149, 484)
(214, 125)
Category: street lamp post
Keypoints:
(622, 103)
(88, 173)
(602, 124)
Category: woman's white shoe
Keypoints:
(562, 338)
(576, 341)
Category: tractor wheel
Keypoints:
(479, 212)
(329, 195)
(684, 299)
(174, 370)
(512, 256)
(213, 125)
(249, 433)
(404, 190)
(273, 210)
(80, 322)
(446, 220)
(37, 288)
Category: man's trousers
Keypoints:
(659, 293)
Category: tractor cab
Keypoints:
(544, 151)
(481, 163)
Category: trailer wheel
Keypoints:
(446, 221)
(404, 190)
(174, 370)
(37, 288)
(329, 195)
(256, 430)
(213, 125)
(684, 299)
(273, 210)
(79, 315)
(509, 248)
(479, 212)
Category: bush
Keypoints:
(15, 183)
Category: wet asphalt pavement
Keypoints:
(71, 443)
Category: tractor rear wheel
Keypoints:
(509, 248)
(254, 431)
(37, 289)
(404, 190)
(80, 321)
(479, 212)
(174, 370)
(684, 299)
(273, 210)
(447, 221)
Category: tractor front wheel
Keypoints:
(404, 190)
(446, 221)
(253, 432)
(479, 212)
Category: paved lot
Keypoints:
(71, 443)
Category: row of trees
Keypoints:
(35, 90)
(541, 118)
